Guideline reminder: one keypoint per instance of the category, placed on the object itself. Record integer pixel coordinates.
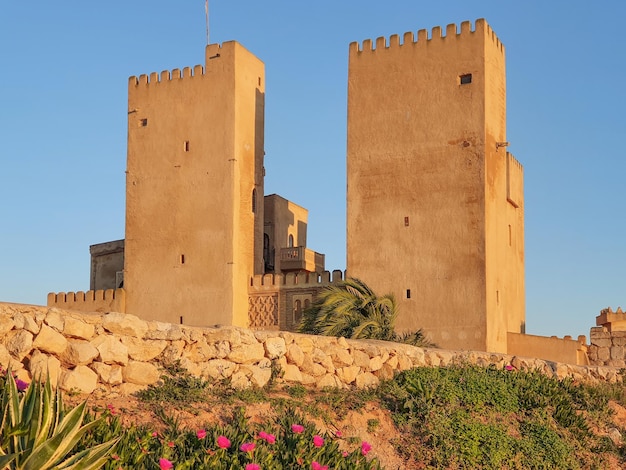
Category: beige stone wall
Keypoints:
(565, 350)
(109, 300)
(122, 353)
(427, 191)
(194, 233)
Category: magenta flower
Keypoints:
(509, 367)
(170, 444)
(253, 466)
(298, 429)
(165, 464)
(317, 466)
(201, 433)
(269, 438)
(318, 441)
(338, 433)
(21, 385)
(344, 453)
(223, 442)
(365, 447)
(247, 447)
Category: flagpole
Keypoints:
(206, 14)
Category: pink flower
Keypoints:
(318, 441)
(201, 433)
(338, 433)
(170, 444)
(298, 429)
(111, 409)
(269, 438)
(223, 442)
(509, 367)
(253, 466)
(317, 466)
(365, 447)
(21, 385)
(247, 447)
(165, 464)
(344, 453)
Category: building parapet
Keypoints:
(273, 281)
(422, 39)
(110, 300)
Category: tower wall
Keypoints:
(425, 196)
(195, 160)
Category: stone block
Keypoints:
(292, 374)
(617, 352)
(329, 381)
(111, 375)
(111, 350)
(342, 357)
(77, 328)
(163, 331)
(145, 350)
(140, 373)
(43, 366)
(81, 379)
(239, 381)
(602, 343)
(305, 343)
(50, 340)
(230, 334)
(79, 353)
(604, 354)
(295, 355)
(366, 380)
(385, 372)
(348, 374)
(31, 325)
(6, 323)
(19, 343)
(247, 353)
(124, 324)
(392, 362)
(258, 376)
(275, 347)
(218, 369)
(54, 319)
(361, 359)
(375, 364)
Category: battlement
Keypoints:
(452, 32)
(109, 300)
(274, 281)
(212, 51)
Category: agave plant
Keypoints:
(38, 434)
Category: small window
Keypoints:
(186, 146)
(465, 79)
(181, 319)
(254, 200)
(182, 259)
(408, 293)
(290, 241)
(406, 221)
(143, 122)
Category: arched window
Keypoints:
(290, 241)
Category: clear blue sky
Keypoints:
(63, 91)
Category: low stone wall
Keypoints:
(122, 353)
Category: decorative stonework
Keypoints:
(263, 311)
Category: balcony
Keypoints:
(300, 258)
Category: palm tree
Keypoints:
(351, 309)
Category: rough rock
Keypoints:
(124, 324)
(111, 350)
(78, 328)
(140, 373)
(79, 353)
(50, 340)
(82, 379)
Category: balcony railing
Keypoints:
(300, 258)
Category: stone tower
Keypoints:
(435, 201)
(194, 189)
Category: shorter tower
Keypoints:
(435, 201)
(194, 189)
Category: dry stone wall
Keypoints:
(121, 353)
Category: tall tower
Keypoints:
(194, 189)
(435, 201)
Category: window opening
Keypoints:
(143, 122)
(408, 293)
(465, 79)
(186, 146)
(290, 241)
(406, 221)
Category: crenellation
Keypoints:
(452, 31)
(187, 72)
(154, 77)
